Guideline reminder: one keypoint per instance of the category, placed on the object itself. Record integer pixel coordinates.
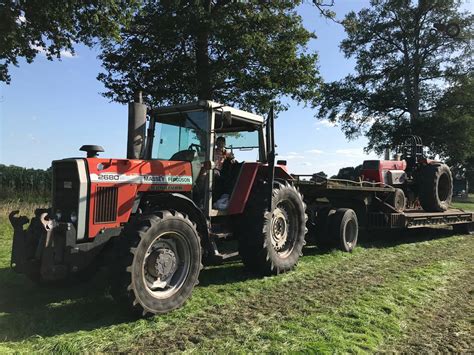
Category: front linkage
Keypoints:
(46, 251)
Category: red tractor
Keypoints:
(420, 181)
(153, 218)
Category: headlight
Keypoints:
(73, 217)
(58, 215)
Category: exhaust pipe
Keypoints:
(136, 128)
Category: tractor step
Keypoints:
(220, 235)
(220, 258)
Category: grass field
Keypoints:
(467, 204)
(411, 291)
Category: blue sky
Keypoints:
(52, 108)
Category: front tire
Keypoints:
(271, 243)
(161, 264)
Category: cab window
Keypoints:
(244, 145)
(181, 134)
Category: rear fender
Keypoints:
(248, 174)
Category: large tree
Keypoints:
(245, 53)
(403, 68)
(448, 130)
(28, 27)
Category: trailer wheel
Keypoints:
(397, 200)
(160, 264)
(344, 228)
(272, 242)
(436, 188)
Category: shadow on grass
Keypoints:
(32, 310)
(392, 238)
(27, 309)
(227, 273)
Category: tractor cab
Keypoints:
(189, 133)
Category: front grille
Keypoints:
(65, 188)
(106, 201)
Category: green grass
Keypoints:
(465, 204)
(407, 292)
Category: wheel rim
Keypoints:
(350, 232)
(166, 264)
(283, 233)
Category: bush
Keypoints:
(27, 184)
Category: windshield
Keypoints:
(181, 136)
(244, 145)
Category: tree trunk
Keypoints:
(203, 70)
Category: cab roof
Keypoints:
(205, 104)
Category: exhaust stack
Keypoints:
(136, 128)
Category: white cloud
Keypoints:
(63, 53)
(325, 123)
(38, 48)
(315, 151)
(291, 156)
(67, 54)
(20, 19)
(32, 138)
(351, 152)
(305, 163)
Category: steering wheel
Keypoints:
(196, 147)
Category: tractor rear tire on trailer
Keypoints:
(436, 188)
(160, 261)
(344, 229)
(271, 242)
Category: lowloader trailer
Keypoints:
(370, 206)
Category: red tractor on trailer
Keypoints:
(420, 182)
(150, 217)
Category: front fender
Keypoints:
(183, 204)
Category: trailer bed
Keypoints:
(417, 219)
(376, 214)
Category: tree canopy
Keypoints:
(403, 68)
(53, 26)
(237, 52)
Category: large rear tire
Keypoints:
(436, 188)
(160, 263)
(271, 242)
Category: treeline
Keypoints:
(17, 182)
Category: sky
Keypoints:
(52, 108)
